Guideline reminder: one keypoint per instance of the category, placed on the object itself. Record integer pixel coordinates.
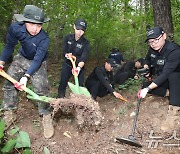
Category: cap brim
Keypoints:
(152, 37)
(80, 28)
(20, 18)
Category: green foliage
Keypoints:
(22, 140)
(27, 151)
(124, 109)
(131, 85)
(111, 24)
(19, 140)
(175, 7)
(9, 146)
(122, 112)
(2, 127)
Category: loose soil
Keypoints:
(116, 121)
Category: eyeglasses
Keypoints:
(155, 41)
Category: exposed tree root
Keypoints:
(85, 110)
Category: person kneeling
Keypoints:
(100, 81)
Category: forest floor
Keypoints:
(118, 117)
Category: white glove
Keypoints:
(143, 92)
(23, 81)
(78, 69)
(68, 55)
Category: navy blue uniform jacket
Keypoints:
(33, 48)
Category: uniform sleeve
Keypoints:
(171, 64)
(100, 76)
(147, 59)
(11, 42)
(85, 52)
(41, 53)
(65, 48)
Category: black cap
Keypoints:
(113, 62)
(115, 53)
(81, 24)
(154, 33)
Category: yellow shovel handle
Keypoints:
(73, 61)
(5, 75)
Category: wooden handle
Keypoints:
(27, 90)
(73, 61)
(5, 75)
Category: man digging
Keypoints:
(29, 64)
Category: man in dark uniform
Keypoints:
(163, 58)
(100, 81)
(77, 45)
(115, 53)
(29, 63)
(128, 70)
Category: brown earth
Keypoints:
(117, 121)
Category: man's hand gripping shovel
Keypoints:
(31, 94)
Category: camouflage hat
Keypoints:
(32, 14)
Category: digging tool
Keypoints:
(131, 139)
(76, 89)
(31, 95)
(123, 99)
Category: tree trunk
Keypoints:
(163, 17)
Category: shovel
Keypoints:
(76, 89)
(31, 95)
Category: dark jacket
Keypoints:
(164, 62)
(79, 49)
(33, 48)
(100, 77)
(127, 71)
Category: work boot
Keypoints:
(172, 118)
(9, 118)
(48, 126)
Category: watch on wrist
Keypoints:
(28, 77)
(149, 89)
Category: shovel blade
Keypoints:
(78, 90)
(84, 91)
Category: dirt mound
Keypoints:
(85, 110)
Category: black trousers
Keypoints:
(173, 84)
(66, 74)
(96, 88)
(121, 78)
